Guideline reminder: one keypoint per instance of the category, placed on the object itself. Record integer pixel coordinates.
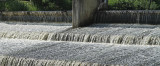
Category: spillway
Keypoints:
(46, 38)
(128, 16)
(37, 16)
(12, 61)
(112, 33)
(99, 33)
(32, 52)
(57, 44)
(30, 31)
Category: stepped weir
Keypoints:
(128, 16)
(94, 38)
(37, 16)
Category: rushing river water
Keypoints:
(128, 16)
(33, 52)
(99, 33)
(31, 31)
(49, 44)
(37, 16)
(46, 38)
(113, 33)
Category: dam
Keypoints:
(102, 38)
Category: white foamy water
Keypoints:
(140, 45)
(32, 31)
(101, 53)
(127, 16)
(34, 27)
(37, 16)
(113, 33)
(12, 61)
(98, 33)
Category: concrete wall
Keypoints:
(83, 11)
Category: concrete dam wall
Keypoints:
(37, 16)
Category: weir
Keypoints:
(92, 14)
(132, 34)
(85, 13)
(12, 61)
(32, 53)
(47, 38)
(116, 34)
(128, 17)
(36, 16)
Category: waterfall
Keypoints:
(115, 33)
(24, 35)
(107, 33)
(13, 61)
(119, 35)
(31, 31)
(128, 16)
(37, 16)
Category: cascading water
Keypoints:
(128, 34)
(25, 35)
(12, 61)
(17, 50)
(32, 32)
(41, 53)
(37, 16)
(109, 33)
(128, 16)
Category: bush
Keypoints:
(30, 6)
(133, 5)
(36, 5)
(15, 6)
(12, 5)
(53, 4)
(2, 6)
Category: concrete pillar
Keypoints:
(83, 11)
(0, 15)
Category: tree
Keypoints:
(135, 4)
(53, 4)
(150, 1)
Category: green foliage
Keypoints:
(36, 5)
(122, 5)
(53, 4)
(133, 5)
(29, 6)
(15, 6)
(12, 5)
(154, 6)
(2, 6)
(157, 2)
